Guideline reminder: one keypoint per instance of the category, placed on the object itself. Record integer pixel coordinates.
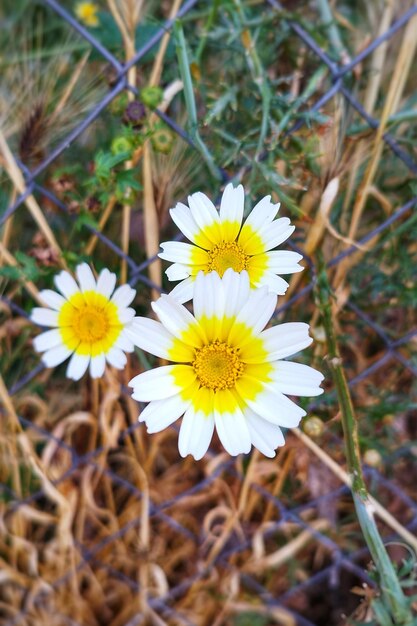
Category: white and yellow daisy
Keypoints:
(88, 322)
(219, 241)
(228, 371)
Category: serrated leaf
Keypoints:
(128, 179)
(85, 219)
(106, 161)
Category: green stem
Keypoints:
(184, 65)
(334, 35)
(258, 75)
(391, 592)
(207, 28)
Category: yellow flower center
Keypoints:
(227, 254)
(218, 365)
(89, 323)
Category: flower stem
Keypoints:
(391, 592)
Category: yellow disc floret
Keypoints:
(227, 254)
(218, 366)
(89, 323)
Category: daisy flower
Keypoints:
(219, 241)
(88, 322)
(87, 13)
(228, 372)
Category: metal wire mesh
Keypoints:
(339, 560)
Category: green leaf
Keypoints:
(11, 272)
(85, 219)
(106, 161)
(127, 180)
(30, 269)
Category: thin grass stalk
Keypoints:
(391, 591)
(184, 66)
(30, 287)
(159, 59)
(8, 226)
(127, 29)
(400, 75)
(151, 220)
(375, 76)
(101, 224)
(16, 176)
(9, 459)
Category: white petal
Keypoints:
(284, 261)
(106, 283)
(275, 283)
(52, 299)
(156, 384)
(85, 277)
(44, 317)
(126, 315)
(262, 213)
(285, 339)
(97, 366)
(233, 431)
(237, 289)
(116, 357)
(183, 218)
(123, 342)
(296, 379)
(232, 205)
(184, 291)
(151, 336)
(77, 366)
(255, 314)
(195, 433)
(264, 435)
(274, 234)
(161, 413)
(177, 271)
(177, 252)
(66, 284)
(275, 407)
(205, 214)
(208, 298)
(177, 319)
(123, 296)
(47, 340)
(56, 355)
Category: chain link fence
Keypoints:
(338, 563)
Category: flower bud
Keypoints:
(372, 458)
(162, 140)
(151, 96)
(134, 114)
(121, 144)
(314, 426)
